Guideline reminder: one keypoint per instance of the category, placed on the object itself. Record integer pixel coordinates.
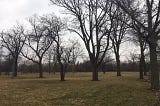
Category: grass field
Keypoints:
(78, 90)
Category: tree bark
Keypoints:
(62, 73)
(154, 66)
(143, 63)
(40, 71)
(118, 65)
(144, 66)
(95, 73)
(15, 66)
(142, 59)
(141, 69)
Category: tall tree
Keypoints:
(13, 40)
(118, 34)
(138, 37)
(55, 28)
(93, 25)
(37, 42)
(76, 52)
(151, 11)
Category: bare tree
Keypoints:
(49, 57)
(94, 27)
(151, 13)
(138, 38)
(134, 58)
(118, 34)
(37, 43)
(55, 28)
(107, 59)
(76, 52)
(13, 40)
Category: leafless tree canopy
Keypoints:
(13, 40)
(37, 41)
(150, 11)
(95, 26)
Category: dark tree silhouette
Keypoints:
(37, 43)
(139, 38)
(93, 25)
(55, 28)
(118, 34)
(13, 40)
(151, 11)
(76, 52)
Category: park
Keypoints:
(80, 53)
(77, 90)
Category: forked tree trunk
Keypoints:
(154, 66)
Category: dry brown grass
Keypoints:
(78, 90)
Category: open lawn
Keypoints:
(78, 90)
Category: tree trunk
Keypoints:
(142, 60)
(152, 46)
(118, 65)
(40, 71)
(95, 73)
(62, 73)
(14, 68)
(54, 68)
(143, 63)
(154, 66)
(144, 66)
(141, 69)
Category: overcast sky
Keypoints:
(18, 10)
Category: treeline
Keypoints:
(6, 67)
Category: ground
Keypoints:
(78, 90)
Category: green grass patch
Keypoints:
(78, 90)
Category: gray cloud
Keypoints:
(17, 10)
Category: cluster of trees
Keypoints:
(145, 15)
(42, 41)
(102, 25)
(101, 20)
